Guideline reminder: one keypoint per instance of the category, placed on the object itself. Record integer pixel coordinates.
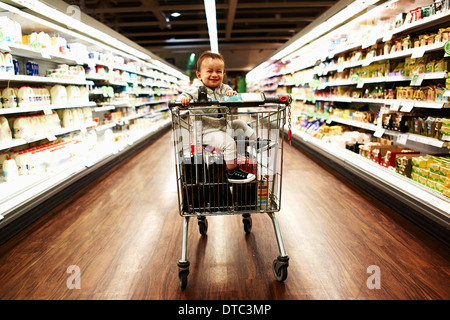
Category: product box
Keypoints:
(431, 184)
(366, 149)
(421, 161)
(403, 164)
(378, 153)
(389, 160)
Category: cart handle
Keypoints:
(281, 99)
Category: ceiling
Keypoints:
(248, 31)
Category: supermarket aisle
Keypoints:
(123, 232)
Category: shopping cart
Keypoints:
(202, 184)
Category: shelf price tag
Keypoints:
(387, 36)
(402, 138)
(379, 132)
(47, 111)
(395, 106)
(50, 137)
(407, 106)
(360, 83)
(418, 53)
(45, 54)
(417, 79)
(366, 62)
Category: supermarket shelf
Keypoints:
(413, 52)
(362, 81)
(49, 136)
(411, 196)
(394, 103)
(45, 108)
(39, 79)
(424, 22)
(28, 192)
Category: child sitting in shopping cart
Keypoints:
(210, 73)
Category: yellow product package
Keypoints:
(439, 187)
(423, 180)
(431, 184)
(433, 176)
(446, 192)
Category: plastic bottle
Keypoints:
(7, 28)
(17, 31)
(84, 94)
(2, 63)
(21, 164)
(8, 62)
(46, 96)
(31, 162)
(9, 98)
(20, 128)
(22, 98)
(67, 118)
(3, 157)
(5, 131)
(58, 94)
(10, 170)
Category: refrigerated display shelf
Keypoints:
(426, 207)
(20, 197)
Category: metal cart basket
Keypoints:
(202, 183)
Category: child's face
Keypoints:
(211, 72)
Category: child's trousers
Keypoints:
(225, 140)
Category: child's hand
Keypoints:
(230, 93)
(185, 101)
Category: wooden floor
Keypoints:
(123, 232)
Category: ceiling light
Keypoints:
(175, 14)
(76, 24)
(210, 9)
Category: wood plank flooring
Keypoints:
(124, 233)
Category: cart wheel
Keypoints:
(247, 220)
(183, 278)
(203, 225)
(183, 267)
(279, 268)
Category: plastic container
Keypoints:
(5, 131)
(9, 98)
(58, 94)
(10, 169)
(67, 118)
(21, 127)
(8, 62)
(2, 63)
(21, 162)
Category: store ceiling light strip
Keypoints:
(31, 17)
(65, 31)
(351, 10)
(210, 9)
(76, 24)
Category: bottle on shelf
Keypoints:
(10, 170)
(9, 98)
(8, 62)
(5, 131)
(21, 162)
